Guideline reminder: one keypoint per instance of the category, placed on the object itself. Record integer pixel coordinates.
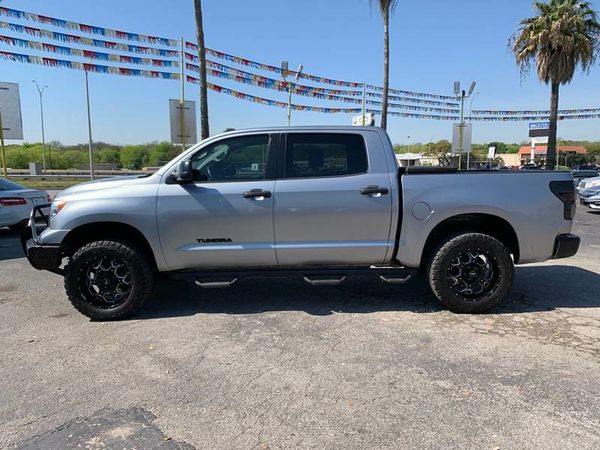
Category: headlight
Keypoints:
(56, 207)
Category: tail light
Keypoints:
(49, 198)
(565, 191)
(12, 201)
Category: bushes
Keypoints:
(66, 157)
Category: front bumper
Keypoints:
(40, 256)
(565, 245)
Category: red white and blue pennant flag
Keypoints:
(88, 67)
(88, 54)
(87, 29)
(480, 112)
(80, 40)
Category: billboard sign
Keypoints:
(10, 108)
(189, 108)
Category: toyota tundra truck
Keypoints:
(318, 203)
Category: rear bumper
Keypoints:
(565, 245)
(40, 256)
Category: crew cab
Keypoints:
(321, 203)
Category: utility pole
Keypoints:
(182, 101)
(285, 72)
(41, 92)
(462, 95)
(2, 147)
(364, 103)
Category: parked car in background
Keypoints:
(579, 175)
(530, 166)
(590, 197)
(586, 167)
(16, 203)
(588, 183)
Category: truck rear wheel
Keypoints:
(108, 280)
(471, 272)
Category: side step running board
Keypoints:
(215, 284)
(395, 280)
(324, 281)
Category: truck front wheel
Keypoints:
(471, 272)
(108, 280)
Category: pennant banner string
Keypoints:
(97, 68)
(480, 112)
(88, 67)
(301, 90)
(126, 59)
(71, 38)
(87, 29)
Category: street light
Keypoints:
(41, 92)
(462, 95)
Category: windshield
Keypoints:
(6, 185)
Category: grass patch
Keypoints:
(48, 182)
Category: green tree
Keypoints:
(563, 36)
(134, 157)
(386, 7)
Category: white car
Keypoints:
(590, 197)
(588, 183)
(16, 203)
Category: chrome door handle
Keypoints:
(373, 190)
(257, 194)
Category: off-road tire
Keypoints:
(140, 270)
(448, 251)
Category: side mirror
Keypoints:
(184, 173)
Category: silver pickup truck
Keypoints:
(321, 203)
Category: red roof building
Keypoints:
(541, 150)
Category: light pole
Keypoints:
(471, 106)
(471, 120)
(409, 146)
(462, 95)
(41, 92)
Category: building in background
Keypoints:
(538, 154)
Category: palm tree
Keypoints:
(385, 7)
(204, 132)
(563, 36)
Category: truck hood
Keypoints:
(105, 183)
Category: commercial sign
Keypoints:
(467, 133)
(189, 113)
(366, 120)
(10, 108)
(539, 129)
(539, 125)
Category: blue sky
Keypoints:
(433, 42)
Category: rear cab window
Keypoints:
(314, 155)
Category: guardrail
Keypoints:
(70, 173)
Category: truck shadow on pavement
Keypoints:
(536, 288)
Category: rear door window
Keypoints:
(314, 155)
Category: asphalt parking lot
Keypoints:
(276, 364)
